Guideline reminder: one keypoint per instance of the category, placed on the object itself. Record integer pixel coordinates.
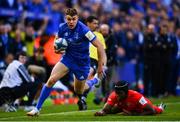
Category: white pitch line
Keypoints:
(63, 113)
(49, 114)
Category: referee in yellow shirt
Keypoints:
(92, 22)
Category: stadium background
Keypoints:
(30, 24)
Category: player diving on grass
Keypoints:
(128, 102)
(75, 59)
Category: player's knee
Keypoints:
(51, 81)
(78, 91)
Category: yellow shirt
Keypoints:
(93, 49)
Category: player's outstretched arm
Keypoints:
(106, 110)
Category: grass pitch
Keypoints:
(69, 113)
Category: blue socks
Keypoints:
(44, 94)
(90, 83)
(46, 91)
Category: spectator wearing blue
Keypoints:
(56, 17)
(4, 64)
(5, 40)
(9, 4)
(37, 11)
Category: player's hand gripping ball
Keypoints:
(60, 44)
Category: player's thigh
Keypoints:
(59, 71)
(79, 85)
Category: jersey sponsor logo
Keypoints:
(142, 101)
(89, 35)
(81, 78)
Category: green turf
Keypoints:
(69, 113)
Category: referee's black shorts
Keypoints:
(94, 64)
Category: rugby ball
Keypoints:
(60, 44)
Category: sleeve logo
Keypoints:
(89, 35)
(142, 101)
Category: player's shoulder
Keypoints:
(15, 63)
(61, 25)
(132, 93)
(112, 97)
(82, 27)
(81, 24)
(113, 94)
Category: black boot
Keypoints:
(82, 105)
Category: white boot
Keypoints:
(34, 112)
(162, 106)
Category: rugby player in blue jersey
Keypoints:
(75, 59)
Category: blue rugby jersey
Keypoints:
(78, 42)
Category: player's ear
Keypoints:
(77, 17)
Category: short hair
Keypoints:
(71, 12)
(163, 26)
(121, 86)
(91, 18)
(21, 53)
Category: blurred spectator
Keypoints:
(56, 17)
(127, 68)
(130, 46)
(22, 5)
(150, 57)
(17, 82)
(178, 60)
(5, 40)
(38, 60)
(11, 4)
(111, 49)
(17, 44)
(175, 73)
(167, 45)
(124, 5)
(4, 64)
(159, 59)
(29, 39)
(37, 7)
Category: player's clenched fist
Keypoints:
(100, 113)
(59, 51)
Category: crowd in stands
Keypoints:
(142, 38)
